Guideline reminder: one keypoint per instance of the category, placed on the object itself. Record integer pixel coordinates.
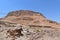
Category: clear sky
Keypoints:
(49, 8)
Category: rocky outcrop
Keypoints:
(22, 32)
(23, 12)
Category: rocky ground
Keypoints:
(11, 31)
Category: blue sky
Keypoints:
(49, 8)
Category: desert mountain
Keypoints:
(28, 25)
(30, 18)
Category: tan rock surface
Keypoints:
(27, 17)
(28, 25)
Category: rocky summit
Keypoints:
(28, 25)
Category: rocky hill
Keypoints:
(27, 17)
(28, 25)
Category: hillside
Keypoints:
(28, 25)
(27, 17)
(13, 31)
